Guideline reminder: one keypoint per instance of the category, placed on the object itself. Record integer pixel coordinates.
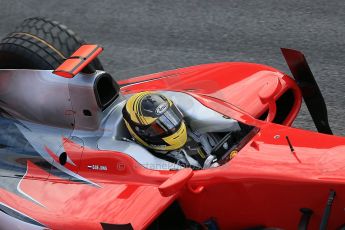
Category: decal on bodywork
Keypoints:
(16, 150)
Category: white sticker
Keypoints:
(161, 108)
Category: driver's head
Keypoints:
(154, 121)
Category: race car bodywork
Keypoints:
(66, 163)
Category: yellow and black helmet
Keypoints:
(154, 121)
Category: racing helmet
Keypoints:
(154, 121)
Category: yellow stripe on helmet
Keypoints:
(136, 137)
(133, 109)
(176, 140)
(136, 117)
(144, 119)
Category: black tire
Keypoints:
(39, 43)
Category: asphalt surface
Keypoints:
(142, 37)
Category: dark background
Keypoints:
(142, 37)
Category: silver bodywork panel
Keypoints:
(17, 220)
(43, 97)
(50, 107)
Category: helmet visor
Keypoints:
(167, 123)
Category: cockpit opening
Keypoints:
(212, 139)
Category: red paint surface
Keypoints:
(265, 184)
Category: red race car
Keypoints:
(68, 161)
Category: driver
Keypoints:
(156, 123)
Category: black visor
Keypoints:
(165, 124)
